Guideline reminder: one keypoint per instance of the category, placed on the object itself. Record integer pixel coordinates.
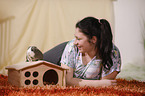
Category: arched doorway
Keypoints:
(50, 77)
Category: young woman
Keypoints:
(91, 58)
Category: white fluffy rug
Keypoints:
(133, 72)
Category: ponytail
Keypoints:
(106, 44)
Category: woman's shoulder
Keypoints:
(115, 51)
(70, 46)
(115, 48)
(71, 42)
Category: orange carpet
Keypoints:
(123, 88)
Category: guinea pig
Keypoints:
(33, 54)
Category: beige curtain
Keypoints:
(42, 23)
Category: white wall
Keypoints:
(129, 18)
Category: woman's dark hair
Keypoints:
(91, 26)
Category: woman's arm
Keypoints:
(81, 82)
(111, 76)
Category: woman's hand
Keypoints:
(96, 83)
(106, 82)
(111, 76)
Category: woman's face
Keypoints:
(82, 42)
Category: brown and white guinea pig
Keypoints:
(33, 54)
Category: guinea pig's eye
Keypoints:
(32, 50)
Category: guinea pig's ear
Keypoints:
(34, 47)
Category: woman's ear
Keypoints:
(94, 39)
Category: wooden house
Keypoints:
(38, 73)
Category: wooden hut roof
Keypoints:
(26, 65)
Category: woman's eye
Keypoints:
(78, 39)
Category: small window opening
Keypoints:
(27, 74)
(35, 74)
(35, 82)
(27, 82)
